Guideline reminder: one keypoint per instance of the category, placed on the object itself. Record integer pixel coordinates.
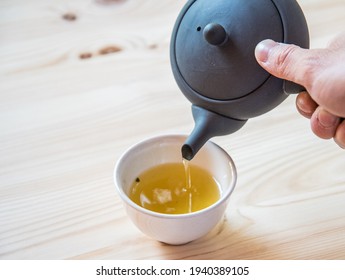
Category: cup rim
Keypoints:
(131, 203)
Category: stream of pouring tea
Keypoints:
(188, 183)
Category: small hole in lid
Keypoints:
(198, 28)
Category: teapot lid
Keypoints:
(214, 45)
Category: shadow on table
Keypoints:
(222, 243)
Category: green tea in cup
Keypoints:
(175, 188)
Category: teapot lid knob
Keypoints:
(215, 34)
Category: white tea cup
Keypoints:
(174, 229)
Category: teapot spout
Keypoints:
(207, 125)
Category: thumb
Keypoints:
(284, 61)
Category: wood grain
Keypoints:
(81, 81)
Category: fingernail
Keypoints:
(340, 134)
(263, 48)
(326, 119)
(305, 104)
(341, 145)
(304, 107)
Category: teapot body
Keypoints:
(226, 78)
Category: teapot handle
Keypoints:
(292, 88)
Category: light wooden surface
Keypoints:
(75, 92)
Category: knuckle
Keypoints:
(298, 64)
(284, 59)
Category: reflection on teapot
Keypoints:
(213, 61)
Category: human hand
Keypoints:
(322, 73)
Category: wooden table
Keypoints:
(81, 81)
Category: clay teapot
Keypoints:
(213, 62)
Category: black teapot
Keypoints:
(213, 61)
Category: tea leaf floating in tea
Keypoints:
(162, 195)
